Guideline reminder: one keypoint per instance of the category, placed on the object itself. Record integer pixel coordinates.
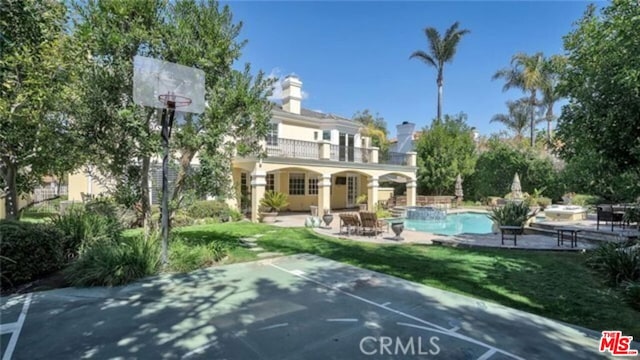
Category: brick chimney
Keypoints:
(404, 133)
(292, 94)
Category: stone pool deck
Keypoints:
(530, 242)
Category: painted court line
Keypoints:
(386, 304)
(492, 350)
(434, 327)
(454, 329)
(274, 326)
(8, 328)
(487, 355)
(11, 346)
(342, 320)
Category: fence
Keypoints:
(290, 148)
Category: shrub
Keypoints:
(585, 200)
(235, 215)
(617, 263)
(185, 256)
(209, 209)
(273, 201)
(29, 251)
(632, 293)
(512, 214)
(112, 211)
(543, 202)
(82, 228)
(115, 263)
(180, 218)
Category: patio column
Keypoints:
(324, 193)
(411, 192)
(372, 196)
(258, 184)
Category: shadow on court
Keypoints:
(295, 307)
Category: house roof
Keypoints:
(311, 114)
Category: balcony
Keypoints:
(323, 150)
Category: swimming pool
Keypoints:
(454, 224)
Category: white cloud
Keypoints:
(276, 73)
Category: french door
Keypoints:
(352, 190)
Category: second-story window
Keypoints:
(272, 135)
(326, 135)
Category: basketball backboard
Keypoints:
(156, 81)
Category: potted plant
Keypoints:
(270, 204)
(362, 201)
(512, 214)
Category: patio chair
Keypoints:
(351, 222)
(371, 223)
(606, 214)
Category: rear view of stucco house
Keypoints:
(317, 159)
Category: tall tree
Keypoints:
(445, 150)
(517, 119)
(375, 127)
(37, 73)
(526, 73)
(551, 76)
(601, 123)
(441, 51)
(113, 32)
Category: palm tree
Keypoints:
(526, 73)
(517, 119)
(441, 51)
(553, 67)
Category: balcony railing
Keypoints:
(289, 148)
(350, 154)
(392, 158)
(299, 149)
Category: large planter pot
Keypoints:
(268, 217)
(397, 228)
(327, 218)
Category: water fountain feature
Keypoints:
(425, 213)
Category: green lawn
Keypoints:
(551, 284)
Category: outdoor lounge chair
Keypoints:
(606, 214)
(351, 222)
(371, 224)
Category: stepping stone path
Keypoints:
(269, 254)
(251, 244)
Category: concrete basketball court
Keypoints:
(295, 307)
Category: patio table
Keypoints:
(510, 231)
(573, 235)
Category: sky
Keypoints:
(354, 55)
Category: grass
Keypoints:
(555, 285)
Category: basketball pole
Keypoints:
(166, 133)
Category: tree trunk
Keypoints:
(440, 82)
(185, 162)
(144, 195)
(533, 118)
(11, 188)
(549, 120)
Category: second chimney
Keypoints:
(292, 94)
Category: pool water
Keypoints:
(454, 224)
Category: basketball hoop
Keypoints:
(176, 100)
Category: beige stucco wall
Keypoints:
(79, 183)
(385, 193)
(290, 131)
